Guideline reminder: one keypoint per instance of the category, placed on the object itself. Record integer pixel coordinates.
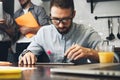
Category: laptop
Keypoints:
(109, 69)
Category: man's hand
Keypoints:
(25, 30)
(28, 58)
(2, 21)
(76, 52)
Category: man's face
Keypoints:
(24, 3)
(62, 19)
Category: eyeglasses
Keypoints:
(57, 21)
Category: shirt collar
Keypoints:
(68, 35)
(71, 31)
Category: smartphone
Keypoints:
(1, 10)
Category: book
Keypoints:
(10, 73)
(5, 63)
(10, 76)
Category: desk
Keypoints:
(42, 72)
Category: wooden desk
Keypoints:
(43, 73)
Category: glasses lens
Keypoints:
(55, 21)
(66, 21)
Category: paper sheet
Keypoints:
(54, 63)
(15, 68)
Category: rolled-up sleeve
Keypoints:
(42, 16)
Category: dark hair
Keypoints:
(62, 4)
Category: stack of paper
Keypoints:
(27, 20)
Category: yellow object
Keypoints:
(27, 20)
(10, 76)
(10, 73)
(106, 57)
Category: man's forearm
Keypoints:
(93, 55)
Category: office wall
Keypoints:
(84, 16)
(17, 5)
(109, 8)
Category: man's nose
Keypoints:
(61, 25)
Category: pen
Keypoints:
(65, 57)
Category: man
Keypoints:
(63, 38)
(39, 14)
(8, 34)
(8, 27)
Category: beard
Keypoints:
(25, 4)
(64, 30)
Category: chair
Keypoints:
(4, 48)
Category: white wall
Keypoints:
(17, 5)
(109, 8)
(83, 15)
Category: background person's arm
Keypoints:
(9, 26)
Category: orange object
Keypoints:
(27, 20)
(106, 57)
(4, 63)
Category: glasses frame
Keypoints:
(57, 21)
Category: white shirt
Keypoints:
(50, 41)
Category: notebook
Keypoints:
(12, 73)
(1, 10)
(27, 20)
(112, 69)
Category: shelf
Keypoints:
(100, 0)
(103, 17)
(94, 1)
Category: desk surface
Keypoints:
(42, 72)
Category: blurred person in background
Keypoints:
(39, 14)
(8, 34)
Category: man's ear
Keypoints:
(74, 13)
